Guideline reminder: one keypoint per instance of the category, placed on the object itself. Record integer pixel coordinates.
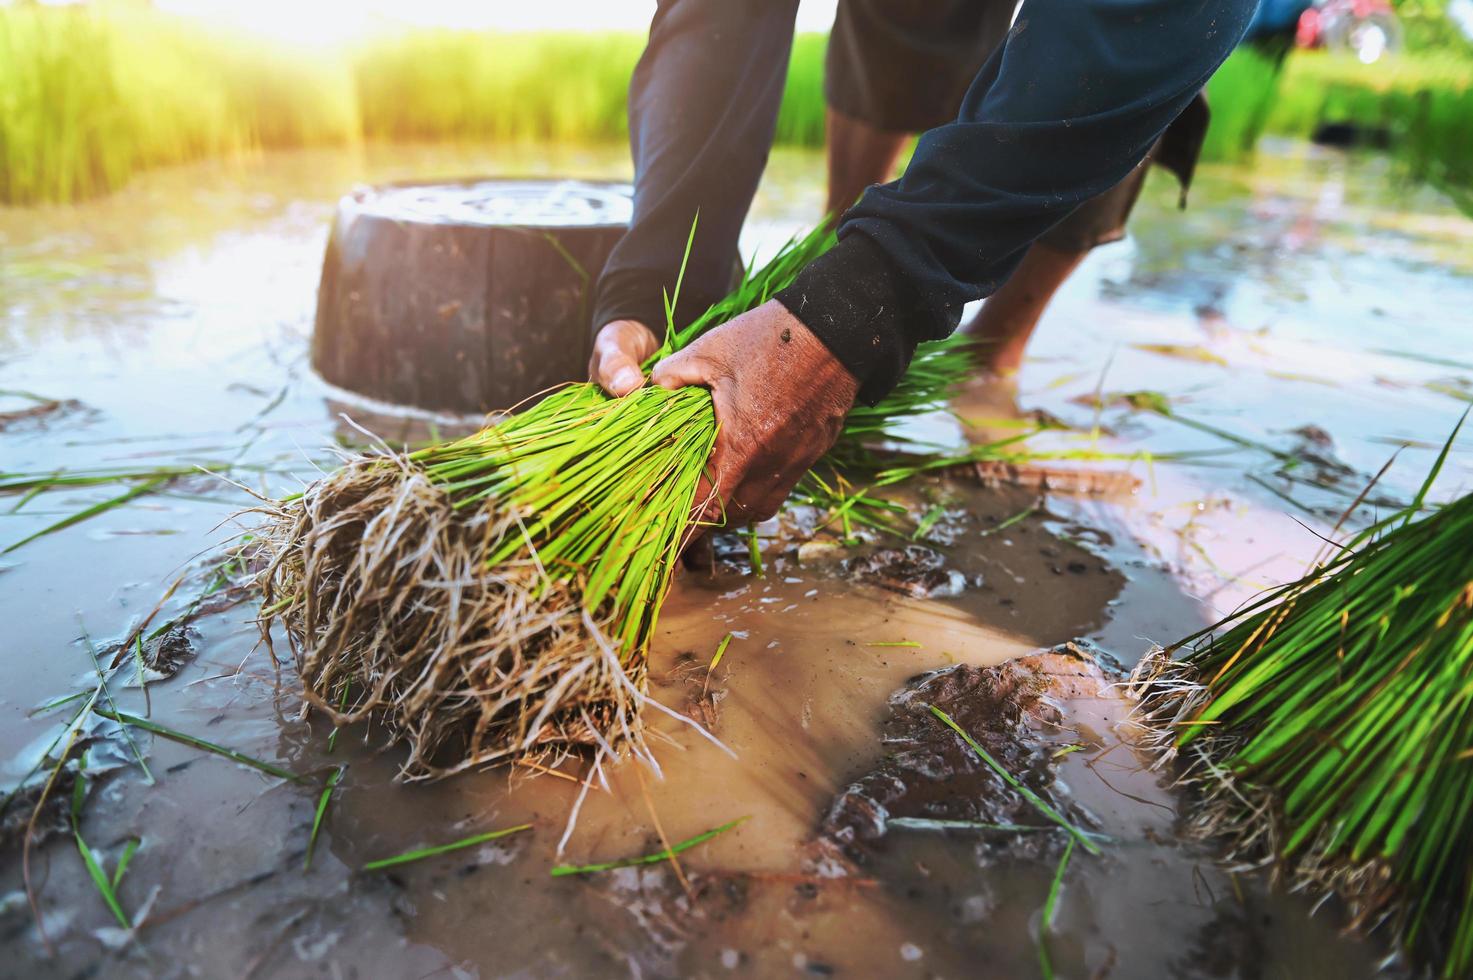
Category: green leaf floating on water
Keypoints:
(656, 858)
(424, 852)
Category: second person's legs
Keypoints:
(898, 67)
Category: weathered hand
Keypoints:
(781, 398)
(618, 351)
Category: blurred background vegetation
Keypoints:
(92, 94)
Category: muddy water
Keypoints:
(169, 324)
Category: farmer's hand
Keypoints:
(618, 351)
(781, 398)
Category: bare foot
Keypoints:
(987, 405)
(996, 356)
(999, 332)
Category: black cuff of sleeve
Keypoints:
(854, 301)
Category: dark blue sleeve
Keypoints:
(703, 105)
(1060, 113)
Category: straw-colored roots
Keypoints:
(383, 590)
(1237, 814)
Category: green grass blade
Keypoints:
(89, 512)
(199, 743)
(68, 735)
(424, 852)
(664, 855)
(1054, 888)
(322, 801)
(108, 696)
(720, 651)
(1437, 466)
(1044, 963)
(55, 703)
(928, 521)
(922, 823)
(755, 550)
(124, 860)
(100, 879)
(1021, 515)
(1038, 802)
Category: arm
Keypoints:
(703, 105)
(1060, 113)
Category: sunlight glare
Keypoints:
(334, 21)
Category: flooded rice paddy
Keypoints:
(1310, 319)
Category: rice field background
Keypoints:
(91, 96)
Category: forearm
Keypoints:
(703, 106)
(1061, 112)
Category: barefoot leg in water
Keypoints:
(859, 155)
(1001, 329)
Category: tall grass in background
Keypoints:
(1424, 103)
(446, 84)
(800, 118)
(91, 95)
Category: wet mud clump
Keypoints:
(40, 414)
(930, 776)
(914, 570)
(161, 655)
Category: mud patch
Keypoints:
(915, 570)
(1015, 710)
(163, 655)
(42, 413)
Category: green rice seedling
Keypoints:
(106, 886)
(1038, 802)
(1327, 728)
(108, 696)
(715, 661)
(321, 813)
(1049, 905)
(332, 739)
(419, 854)
(86, 513)
(125, 859)
(720, 652)
(923, 823)
(184, 738)
(492, 599)
(1241, 94)
(928, 520)
(754, 551)
(666, 854)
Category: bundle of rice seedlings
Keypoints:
(492, 599)
(1327, 730)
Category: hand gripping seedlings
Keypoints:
(492, 599)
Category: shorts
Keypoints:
(905, 65)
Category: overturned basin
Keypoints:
(466, 296)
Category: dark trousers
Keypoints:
(703, 106)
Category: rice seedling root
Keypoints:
(383, 590)
(1227, 808)
(1325, 731)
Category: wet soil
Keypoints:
(1015, 712)
(178, 314)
